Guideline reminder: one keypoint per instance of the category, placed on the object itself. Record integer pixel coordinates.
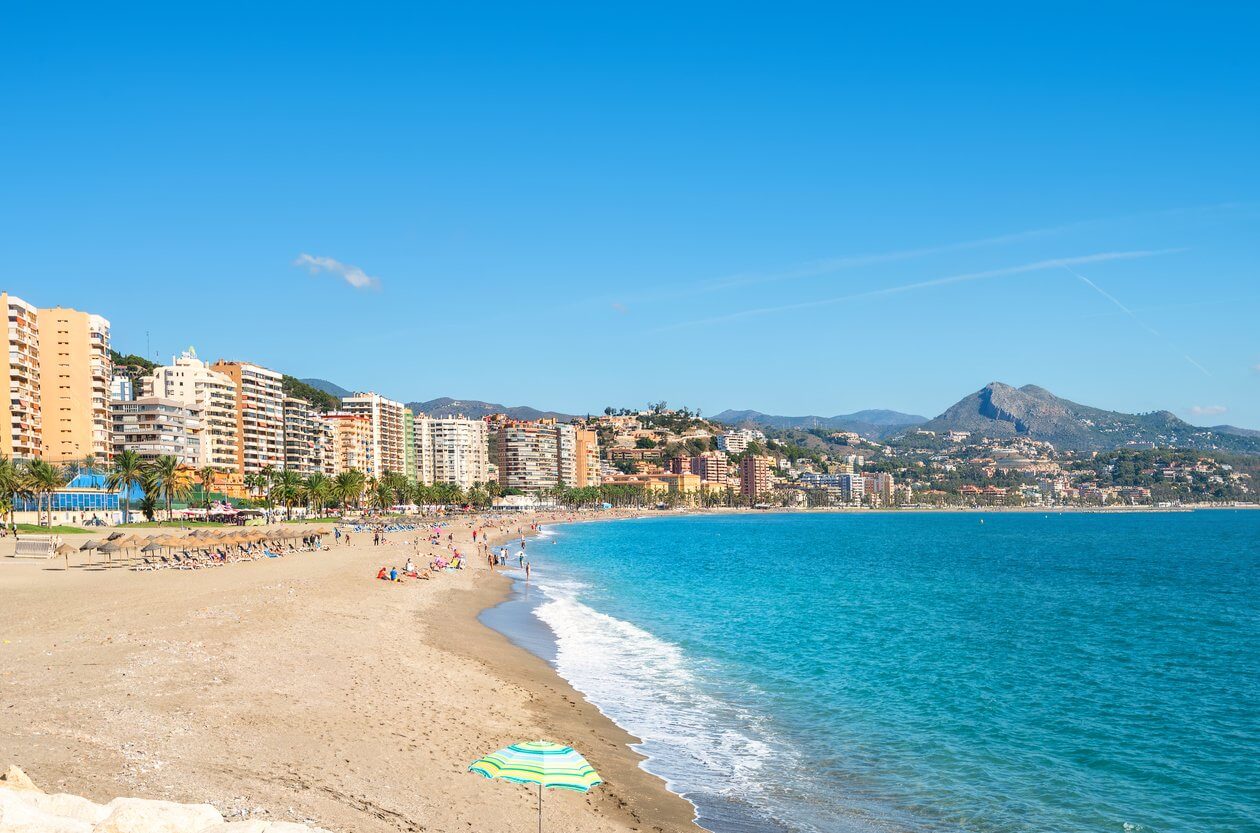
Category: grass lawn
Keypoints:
(170, 524)
(33, 529)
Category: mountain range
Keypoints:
(445, 406)
(997, 410)
(872, 424)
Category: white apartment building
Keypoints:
(452, 450)
(211, 396)
(259, 415)
(20, 435)
(736, 442)
(534, 456)
(153, 427)
(304, 437)
(385, 417)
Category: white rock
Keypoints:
(260, 826)
(138, 815)
(19, 814)
(15, 779)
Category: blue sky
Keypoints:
(793, 208)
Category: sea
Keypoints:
(916, 672)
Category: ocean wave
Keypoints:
(701, 745)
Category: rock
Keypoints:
(138, 815)
(19, 814)
(15, 779)
(62, 805)
(260, 826)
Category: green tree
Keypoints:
(287, 488)
(126, 473)
(171, 478)
(43, 478)
(318, 491)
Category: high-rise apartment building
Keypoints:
(533, 456)
(411, 464)
(154, 427)
(452, 450)
(754, 476)
(75, 371)
(586, 458)
(712, 466)
(303, 437)
(386, 419)
(351, 441)
(213, 399)
(20, 424)
(259, 415)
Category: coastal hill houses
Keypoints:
(236, 421)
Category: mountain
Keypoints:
(476, 409)
(998, 410)
(872, 424)
(327, 387)
(1235, 430)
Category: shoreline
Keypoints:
(301, 689)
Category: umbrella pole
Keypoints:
(540, 807)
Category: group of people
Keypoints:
(408, 571)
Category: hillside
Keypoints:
(998, 410)
(327, 387)
(872, 424)
(476, 409)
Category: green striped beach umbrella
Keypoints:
(539, 762)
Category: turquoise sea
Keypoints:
(920, 672)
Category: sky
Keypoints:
(794, 208)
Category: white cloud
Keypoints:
(352, 275)
(1207, 410)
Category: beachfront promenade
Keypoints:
(300, 689)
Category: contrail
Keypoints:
(1037, 266)
(1134, 316)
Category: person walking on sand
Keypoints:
(527, 571)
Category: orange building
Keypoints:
(74, 376)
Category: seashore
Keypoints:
(301, 689)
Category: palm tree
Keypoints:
(172, 479)
(348, 485)
(206, 475)
(11, 486)
(288, 488)
(318, 491)
(44, 478)
(125, 473)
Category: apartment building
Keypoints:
(754, 476)
(303, 437)
(712, 466)
(351, 442)
(385, 417)
(212, 396)
(736, 442)
(452, 450)
(20, 435)
(75, 371)
(411, 464)
(259, 415)
(533, 456)
(586, 458)
(154, 427)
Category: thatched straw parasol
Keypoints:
(114, 536)
(109, 548)
(65, 551)
(151, 547)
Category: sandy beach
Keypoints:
(299, 689)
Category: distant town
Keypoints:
(96, 436)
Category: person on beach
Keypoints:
(520, 558)
(527, 571)
(383, 575)
(393, 574)
(411, 567)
